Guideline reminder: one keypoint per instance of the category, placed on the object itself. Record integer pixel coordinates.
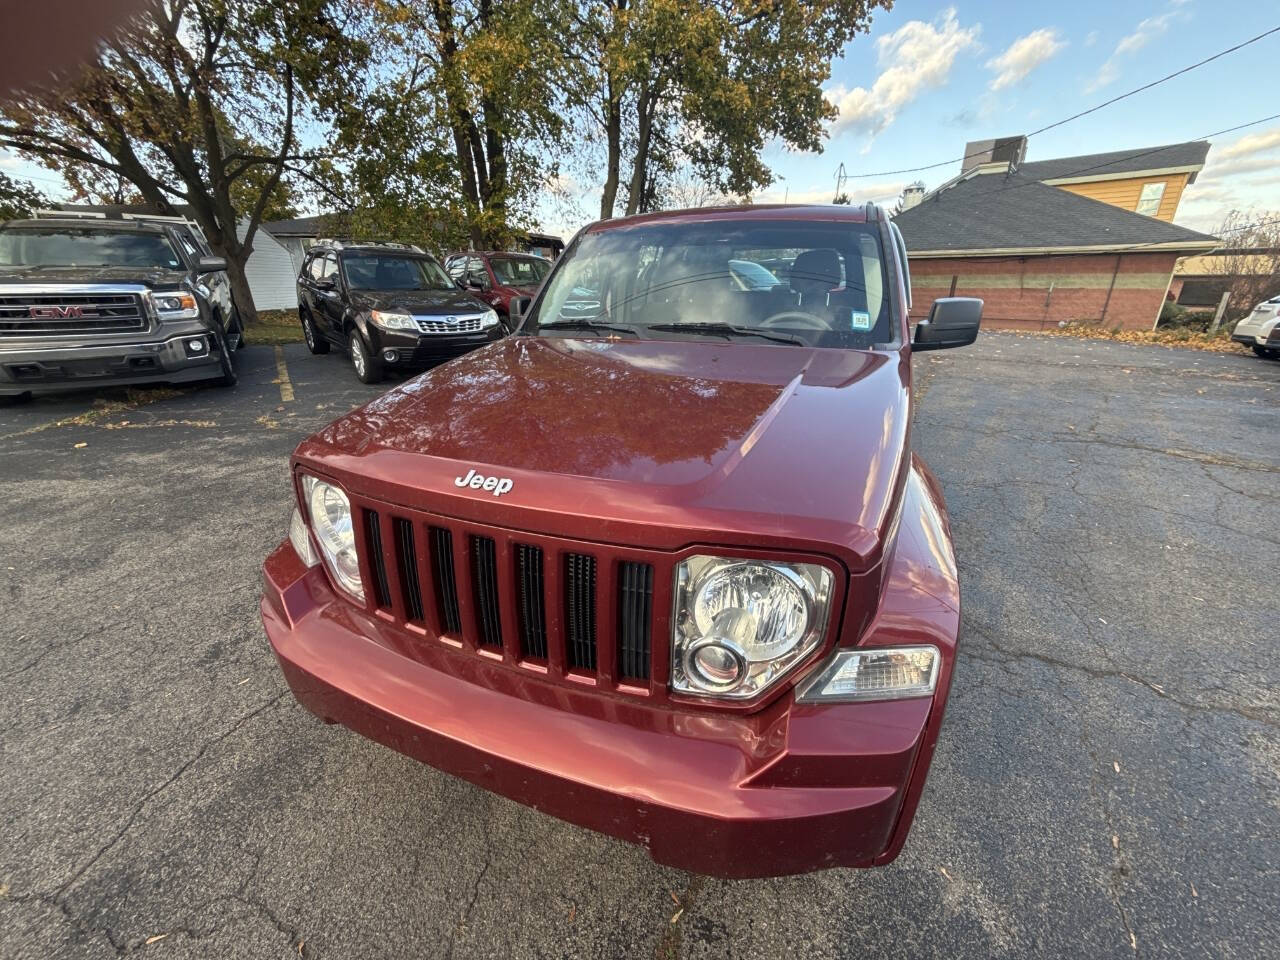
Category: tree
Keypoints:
(1248, 262)
(19, 199)
(200, 103)
(458, 128)
(710, 81)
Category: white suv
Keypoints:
(1261, 329)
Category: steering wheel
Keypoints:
(796, 318)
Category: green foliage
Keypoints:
(19, 199)
(199, 103)
(1176, 317)
(707, 82)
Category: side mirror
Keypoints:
(517, 308)
(211, 264)
(325, 284)
(952, 322)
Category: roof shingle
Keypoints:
(1014, 212)
(1189, 154)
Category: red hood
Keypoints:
(653, 443)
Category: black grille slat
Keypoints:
(580, 610)
(407, 558)
(532, 614)
(484, 581)
(635, 617)
(446, 584)
(373, 538)
(109, 313)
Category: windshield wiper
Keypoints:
(587, 325)
(727, 330)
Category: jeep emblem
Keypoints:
(476, 481)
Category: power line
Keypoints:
(1112, 162)
(1075, 116)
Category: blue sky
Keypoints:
(932, 76)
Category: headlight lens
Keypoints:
(393, 320)
(741, 624)
(331, 521)
(875, 673)
(175, 305)
(301, 540)
(489, 319)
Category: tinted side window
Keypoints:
(329, 268)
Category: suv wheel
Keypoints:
(235, 330)
(1265, 352)
(13, 399)
(368, 367)
(315, 342)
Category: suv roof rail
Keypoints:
(339, 244)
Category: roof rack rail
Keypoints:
(342, 243)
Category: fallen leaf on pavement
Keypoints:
(79, 445)
(677, 915)
(157, 937)
(1116, 764)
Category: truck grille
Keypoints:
(570, 609)
(462, 325)
(63, 314)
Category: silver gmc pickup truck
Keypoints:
(85, 303)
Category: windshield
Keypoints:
(391, 272)
(814, 283)
(68, 247)
(519, 271)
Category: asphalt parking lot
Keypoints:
(1107, 783)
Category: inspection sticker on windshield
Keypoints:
(861, 320)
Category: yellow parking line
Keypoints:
(282, 378)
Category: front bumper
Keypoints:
(418, 348)
(59, 366)
(789, 789)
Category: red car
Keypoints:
(671, 571)
(497, 278)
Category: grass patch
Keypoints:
(1219, 342)
(274, 327)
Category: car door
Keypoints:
(329, 298)
(479, 281)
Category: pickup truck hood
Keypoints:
(652, 443)
(55, 276)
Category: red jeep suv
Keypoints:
(698, 592)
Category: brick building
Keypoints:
(1041, 252)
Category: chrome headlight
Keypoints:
(331, 522)
(875, 673)
(741, 624)
(393, 320)
(489, 319)
(175, 305)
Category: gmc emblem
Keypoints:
(59, 313)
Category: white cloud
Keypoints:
(1237, 176)
(1250, 144)
(1023, 56)
(1091, 38)
(1146, 31)
(915, 57)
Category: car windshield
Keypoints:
(68, 247)
(814, 283)
(393, 272)
(519, 271)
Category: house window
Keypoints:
(1149, 201)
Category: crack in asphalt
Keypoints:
(1095, 673)
(172, 779)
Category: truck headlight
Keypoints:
(175, 305)
(489, 319)
(875, 673)
(331, 522)
(393, 320)
(741, 624)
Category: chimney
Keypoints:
(912, 195)
(1007, 150)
